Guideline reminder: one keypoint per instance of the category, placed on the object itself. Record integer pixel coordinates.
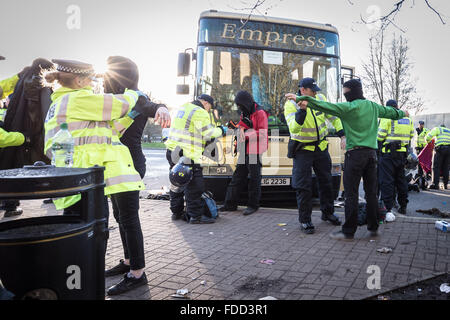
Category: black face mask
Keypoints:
(354, 94)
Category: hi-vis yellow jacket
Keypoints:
(442, 135)
(395, 130)
(10, 139)
(190, 130)
(421, 142)
(7, 86)
(95, 121)
(314, 128)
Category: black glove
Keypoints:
(247, 122)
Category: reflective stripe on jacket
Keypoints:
(190, 130)
(401, 130)
(314, 128)
(92, 119)
(442, 135)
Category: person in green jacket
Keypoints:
(359, 118)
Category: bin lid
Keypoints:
(42, 181)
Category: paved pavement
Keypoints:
(223, 260)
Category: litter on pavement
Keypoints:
(445, 287)
(181, 293)
(442, 225)
(384, 250)
(267, 261)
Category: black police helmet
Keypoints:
(180, 175)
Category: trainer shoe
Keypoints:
(332, 218)
(126, 284)
(307, 228)
(225, 208)
(11, 213)
(121, 268)
(249, 211)
(201, 220)
(402, 210)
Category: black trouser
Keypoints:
(252, 167)
(441, 161)
(392, 178)
(193, 191)
(126, 212)
(176, 198)
(360, 163)
(320, 161)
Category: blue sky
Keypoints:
(153, 33)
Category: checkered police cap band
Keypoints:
(74, 70)
(71, 66)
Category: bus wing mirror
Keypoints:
(182, 89)
(184, 64)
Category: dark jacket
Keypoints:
(26, 113)
(133, 135)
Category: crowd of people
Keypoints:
(107, 128)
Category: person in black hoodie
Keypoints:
(123, 74)
(253, 129)
(27, 109)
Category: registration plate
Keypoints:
(275, 181)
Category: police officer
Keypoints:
(421, 134)
(190, 130)
(441, 157)
(309, 149)
(89, 117)
(395, 136)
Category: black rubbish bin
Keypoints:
(55, 257)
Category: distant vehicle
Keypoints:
(267, 57)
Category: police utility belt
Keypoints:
(294, 146)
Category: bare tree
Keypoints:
(374, 69)
(389, 18)
(387, 74)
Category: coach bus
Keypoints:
(267, 57)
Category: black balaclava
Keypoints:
(245, 102)
(356, 91)
(122, 74)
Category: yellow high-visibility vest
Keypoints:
(442, 135)
(395, 130)
(421, 142)
(94, 121)
(190, 130)
(314, 127)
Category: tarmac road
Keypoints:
(157, 176)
